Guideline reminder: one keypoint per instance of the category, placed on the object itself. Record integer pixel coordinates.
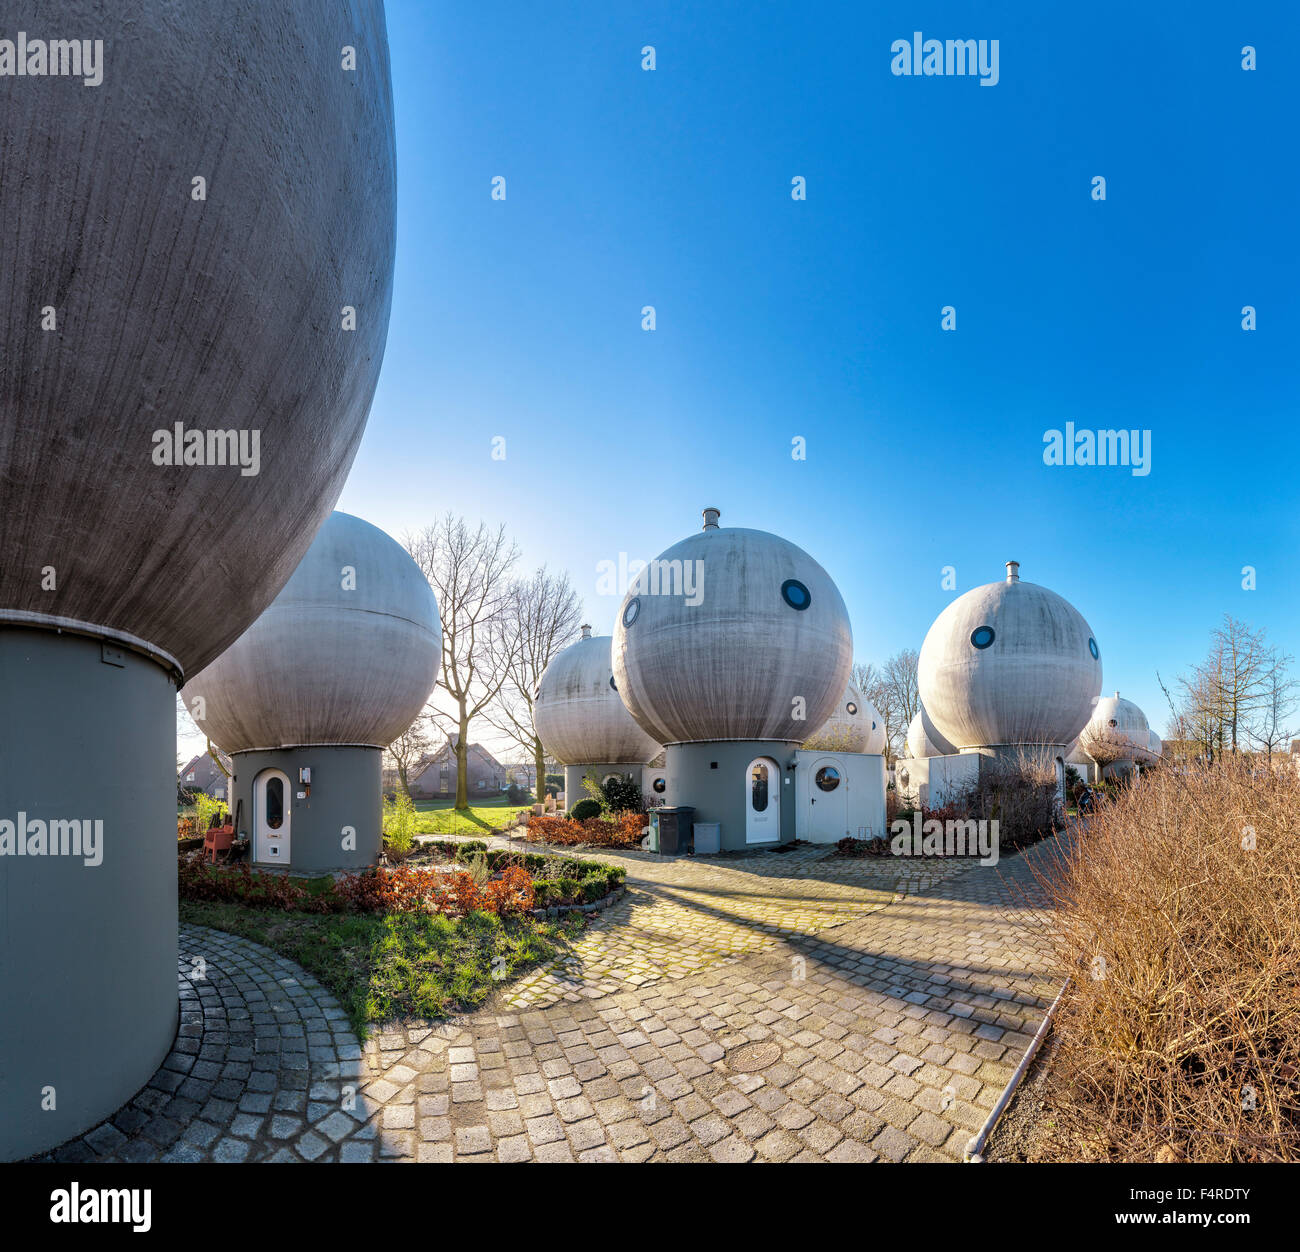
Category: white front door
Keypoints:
(271, 814)
(828, 805)
(763, 808)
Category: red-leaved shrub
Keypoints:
(618, 830)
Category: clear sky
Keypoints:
(820, 319)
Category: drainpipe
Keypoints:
(974, 1154)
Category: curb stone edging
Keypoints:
(556, 910)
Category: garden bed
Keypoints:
(614, 830)
(431, 936)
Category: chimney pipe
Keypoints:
(586, 631)
(1013, 571)
(711, 518)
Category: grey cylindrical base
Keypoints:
(713, 778)
(574, 774)
(88, 1000)
(334, 823)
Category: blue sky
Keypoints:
(821, 318)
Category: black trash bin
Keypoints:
(676, 830)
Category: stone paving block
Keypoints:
(882, 1056)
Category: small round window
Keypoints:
(795, 594)
(852, 709)
(632, 611)
(827, 778)
(982, 636)
(1092, 647)
(660, 785)
(1112, 723)
(612, 683)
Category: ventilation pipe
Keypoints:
(711, 518)
(1013, 571)
(586, 631)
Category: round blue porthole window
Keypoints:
(1092, 647)
(630, 613)
(795, 594)
(982, 636)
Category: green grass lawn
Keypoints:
(390, 966)
(437, 817)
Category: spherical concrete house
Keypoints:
(923, 740)
(1010, 667)
(854, 726)
(308, 697)
(581, 721)
(727, 648)
(1157, 745)
(1117, 737)
(179, 406)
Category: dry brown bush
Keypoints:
(1021, 795)
(1180, 934)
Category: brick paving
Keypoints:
(899, 1009)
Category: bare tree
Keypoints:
(893, 690)
(1241, 693)
(469, 571)
(1242, 675)
(540, 618)
(1108, 746)
(1272, 726)
(411, 747)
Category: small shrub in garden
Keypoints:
(399, 822)
(622, 795)
(618, 831)
(585, 809)
(594, 887)
(206, 808)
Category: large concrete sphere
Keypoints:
(329, 663)
(854, 726)
(578, 714)
(221, 313)
(1157, 744)
(763, 654)
(1120, 722)
(1009, 663)
(923, 740)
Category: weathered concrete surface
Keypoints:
(579, 715)
(346, 792)
(222, 313)
(347, 653)
(855, 725)
(131, 300)
(739, 662)
(87, 951)
(1035, 684)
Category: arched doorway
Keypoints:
(271, 818)
(763, 801)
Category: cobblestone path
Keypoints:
(766, 1007)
